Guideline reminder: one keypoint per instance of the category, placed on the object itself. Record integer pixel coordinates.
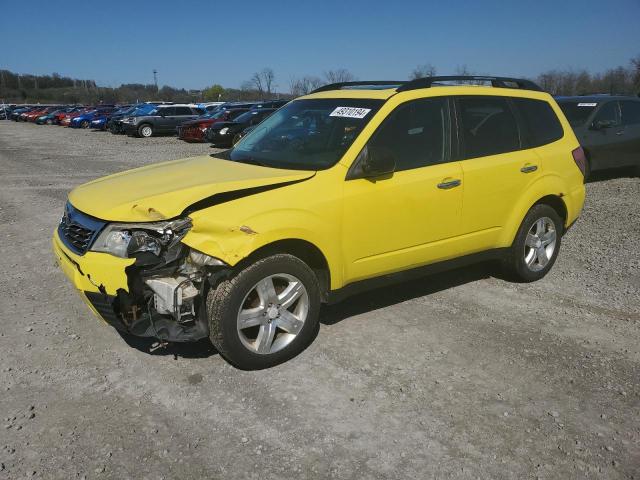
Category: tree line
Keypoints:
(55, 88)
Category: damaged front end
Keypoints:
(167, 283)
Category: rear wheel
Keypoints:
(266, 314)
(536, 246)
(145, 130)
(84, 124)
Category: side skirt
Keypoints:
(360, 286)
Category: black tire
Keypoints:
(84, 124)
(145, 130)
(514, 265)
(224, 303)
(237, 137)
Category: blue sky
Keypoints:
(195, 43)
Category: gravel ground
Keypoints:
(460, 375)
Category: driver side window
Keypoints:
(415, 133)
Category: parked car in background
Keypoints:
(65, 119)
(164, 119)
(114, 122)
(49, 118)
(607, 127)
(226, 134)
(99, 121)
(16, 112)
(84, 120)
(270, 104)
(194, 131)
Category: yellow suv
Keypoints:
(354, 185)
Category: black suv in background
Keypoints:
(227, 134)
(163, 120)
(607, 127)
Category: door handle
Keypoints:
(529, 168)
(450, 184)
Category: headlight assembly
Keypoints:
(126, 239)
(224, 131)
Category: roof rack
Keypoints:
(372, 83)
(499, 82)
(427, 82)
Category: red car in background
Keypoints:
(65, 118)
(24, 117)
(193, 131)
(33, 115)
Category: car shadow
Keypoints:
(332, 314)
(403, 291)
(200, 349)
(604, 175)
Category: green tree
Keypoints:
(213, 93)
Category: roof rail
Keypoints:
(500, 82)
(372, 83)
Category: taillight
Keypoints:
(581, 159)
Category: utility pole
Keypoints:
(155, 78)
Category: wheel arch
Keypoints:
(557, 203)
(302, 249)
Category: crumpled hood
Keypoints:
(165, 190)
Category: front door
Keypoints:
(409, 218)
(604, 138)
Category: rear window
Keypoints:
(577, 112)
(630, 112)
(541, 124)
(489, 127)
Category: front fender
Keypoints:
(233, 242)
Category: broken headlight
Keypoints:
(126, 239)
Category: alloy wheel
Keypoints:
(273, 313)
(540, 244)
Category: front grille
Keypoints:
(78, 230)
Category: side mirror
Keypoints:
(373, 162)
(602, 124)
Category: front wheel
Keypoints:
(84, 124)
(145, 131)
(536, 246)
(266, 314)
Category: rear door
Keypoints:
(630, 116)
(183, 114)
(496, 167)
(164, 122)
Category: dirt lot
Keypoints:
(460, 375)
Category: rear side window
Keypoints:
(416, 133)
(577, 112)
(488, 126)
(630, 112)
(541, 124)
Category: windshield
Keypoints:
(245, 117)
(577, 112)
(306, 134)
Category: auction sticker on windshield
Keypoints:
(350, 112)
(587, 104)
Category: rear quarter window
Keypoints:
(541, 125)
